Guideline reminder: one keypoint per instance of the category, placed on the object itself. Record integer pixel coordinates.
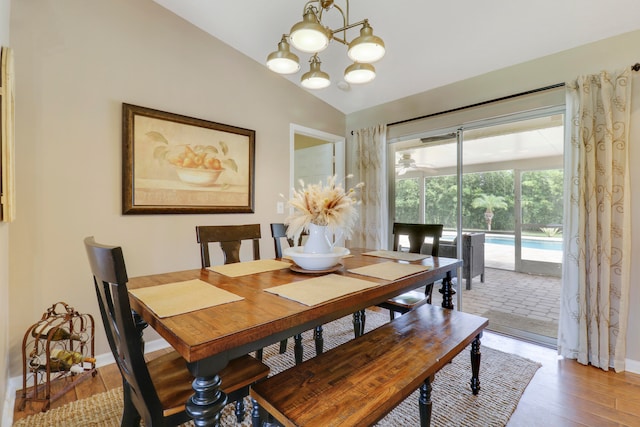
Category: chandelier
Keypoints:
(311, 36)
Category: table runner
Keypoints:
(390, 270)
(321, 289)
(405, 256)
(176, 298)
(249, 267)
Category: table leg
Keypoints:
(206, 404)
(283, 347)
(297, 348)
(358, 323)
(475, 364)
(447, 292)
(317, 336)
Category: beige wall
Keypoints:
(4, 255)
(611, 54)
(76, 62)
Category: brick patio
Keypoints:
(522, 302)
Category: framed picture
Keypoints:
(7, 142)
(173, 164)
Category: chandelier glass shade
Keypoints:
(283, 61)
(308, 35)
(366, 48)
(311, 36)
(358, 73)
(315, 78)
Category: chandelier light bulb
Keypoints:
(315, 78)
(358, 73)
(308, 35)
(366, 48)
(283, 61)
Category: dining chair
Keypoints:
(154, 391)
(418, 234)
(230, 238)
(279, 234)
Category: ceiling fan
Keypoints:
(406, 163)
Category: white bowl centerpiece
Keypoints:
(324, 211)
(315, 261)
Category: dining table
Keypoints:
(213, 315)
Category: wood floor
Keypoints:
(562, 393)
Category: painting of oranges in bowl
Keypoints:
(199, 165)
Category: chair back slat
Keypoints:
(230, 238)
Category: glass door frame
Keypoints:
(460, 130)
(391, 150)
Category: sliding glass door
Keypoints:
(425, 182)
(513, 179)
(502, 179)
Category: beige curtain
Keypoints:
(370, 161)
(595, 293)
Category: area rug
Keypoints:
(503, 378)
(498, 318)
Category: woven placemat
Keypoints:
(503, 378)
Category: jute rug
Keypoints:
(503, 378)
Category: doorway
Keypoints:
(316, 155)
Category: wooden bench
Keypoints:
(359, 382)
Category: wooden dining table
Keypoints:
(208, 338)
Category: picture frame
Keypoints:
(174, 164)
(7, 138)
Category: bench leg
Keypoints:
(425, 404)
(264, 418)
(359, 318)
(239, 410)
(317, 336)
(255, 414)
(297, 348)
(475, 364)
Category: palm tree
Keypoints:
(490, 203)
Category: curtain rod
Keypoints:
(634, 67)
(479, 104)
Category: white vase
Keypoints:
(318, 240)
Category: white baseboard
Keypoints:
(14, 384)
(632, 366)
(7, 406)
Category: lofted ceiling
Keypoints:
(429, 44)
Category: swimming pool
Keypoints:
(551, 245)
